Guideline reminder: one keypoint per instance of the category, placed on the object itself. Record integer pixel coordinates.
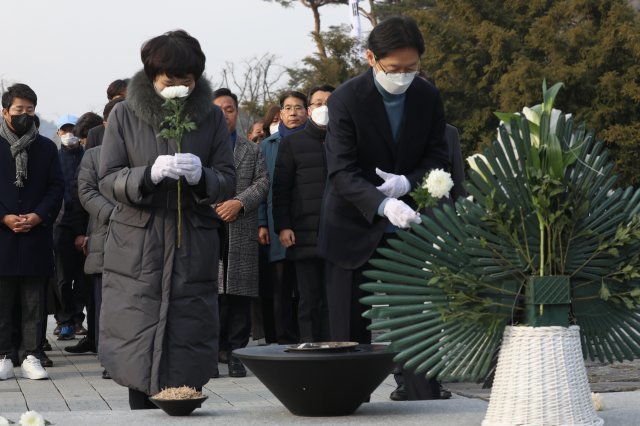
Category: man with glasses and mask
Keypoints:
(386, 130)
(31, 190)
(298, 186)
(293, 118)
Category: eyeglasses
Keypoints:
(413, 69)
(318, 104)
(290, 108)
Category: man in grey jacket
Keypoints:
(238, 272)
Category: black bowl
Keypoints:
(319, 383)
(178, 407)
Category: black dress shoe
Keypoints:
(106, 375)
(236, 369)
(400, 394)
(46, 346)
(444, 394)
(44, 360)
(215, 374)
(83, 346)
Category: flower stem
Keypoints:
(541, 225)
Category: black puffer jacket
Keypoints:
(298, 186)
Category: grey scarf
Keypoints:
(19, 147)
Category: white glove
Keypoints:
(394, 186)
(400, 214)
(162, 168)
(189, 166)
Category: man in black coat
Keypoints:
(386, 130)
(298, 185)
(31, 190)
(69, 236)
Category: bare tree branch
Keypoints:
(256, 82)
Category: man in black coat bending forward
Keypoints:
(386, 130)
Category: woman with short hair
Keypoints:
(159, 324)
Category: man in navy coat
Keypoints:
(386, 130)
(31, 190)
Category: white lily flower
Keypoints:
(32, 418)
(472, 161)
(3, 421)
(531, 115)
(172, 92)
(438, 183)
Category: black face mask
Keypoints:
(21, 123)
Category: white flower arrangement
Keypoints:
(172, 92)
(435, 185)
(4, 422)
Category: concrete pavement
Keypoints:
(76, 394)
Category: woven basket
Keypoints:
(541, 379)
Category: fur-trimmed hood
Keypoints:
(147, 105)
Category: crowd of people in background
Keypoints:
(277, 220)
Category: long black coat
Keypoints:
(298, 185)
(159, 319)
(359, 139)
(30, 253)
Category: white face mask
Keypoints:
(320, 115)
(273, 128)
(396, 83)
(68, 139)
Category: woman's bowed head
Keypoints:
(170, 61)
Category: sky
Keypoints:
(68, 51)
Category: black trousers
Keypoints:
(96, 280)
(71, 278)
(235, 321)
(283, 280)
(313, 317)
(30, 291)
(346, 323)
(262, 321)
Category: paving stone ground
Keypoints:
(77, 394)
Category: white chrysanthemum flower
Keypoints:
(3, 421)
(598, 404)
(438, 183)
(172, 92)
(32, 418)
